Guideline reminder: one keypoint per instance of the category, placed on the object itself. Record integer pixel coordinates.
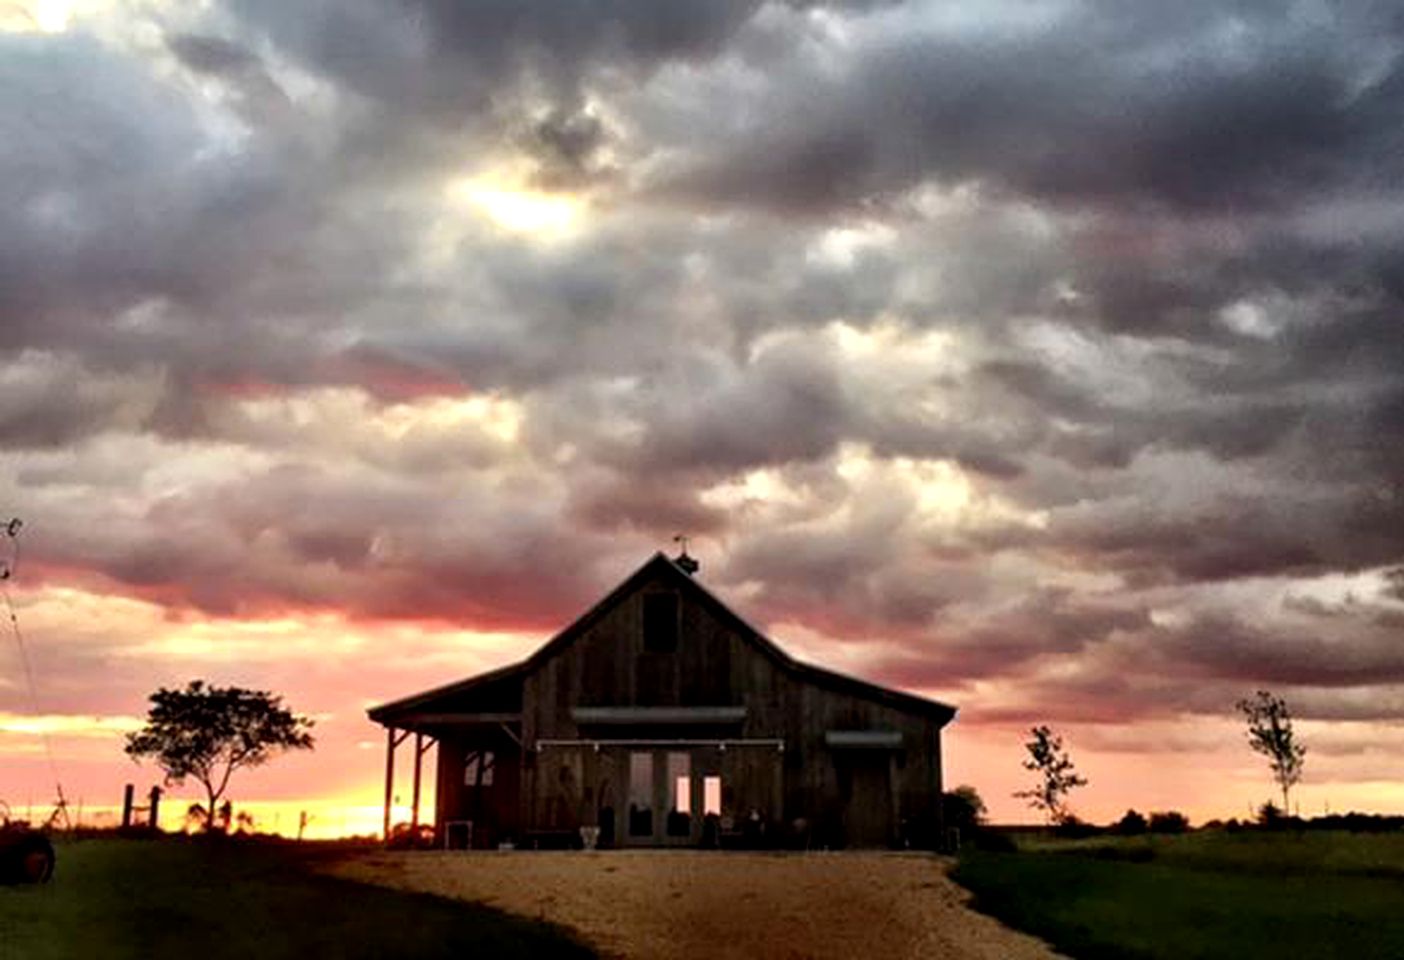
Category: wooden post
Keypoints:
(154, 811)
(414, 801)
(389, 776)
(128, 798)
(895, 835)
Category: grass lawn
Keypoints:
(1202, 895)
(153, 899)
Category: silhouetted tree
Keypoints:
(209, 732)
(1056, 777)
(1270, 733)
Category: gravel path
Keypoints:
(657, 904)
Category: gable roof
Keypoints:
(660, 563)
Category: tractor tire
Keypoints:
(28, 860)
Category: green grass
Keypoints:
(1204, 895)
(153, 899)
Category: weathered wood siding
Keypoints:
(716, 664)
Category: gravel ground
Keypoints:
(659, 904)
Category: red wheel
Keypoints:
(37, 865)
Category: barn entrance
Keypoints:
(689, 794)
(667, 797)
(672, 793)
(865, 788)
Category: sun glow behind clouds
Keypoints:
(509, 203)
(35, 16)
(67, 725)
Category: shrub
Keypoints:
(963, 809)
(991, 841)
(1131, 825)
(405, 837)
(1071, 828)
(1169, 821)
(1269, 816)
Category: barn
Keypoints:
(662, 718)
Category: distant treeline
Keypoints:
(1173, 822)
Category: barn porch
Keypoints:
(477, 727)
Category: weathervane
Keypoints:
(7, 566)
(683, 560)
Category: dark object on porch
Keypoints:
(665, 719)
(405, 836)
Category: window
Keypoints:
(679, 795)
(477, 768)
(640, 794)
(660, 622)
(711, 796)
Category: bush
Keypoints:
(405, 837)
(1170, 821)
(1071, 828)
(1131, 825)
(963, 809)
(991, 841)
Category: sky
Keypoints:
(1042, 358)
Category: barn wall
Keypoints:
(607, 665)
(495, 810)
(813, 789)
(715, 665)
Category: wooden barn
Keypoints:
(661, 718)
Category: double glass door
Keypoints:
(669, 792)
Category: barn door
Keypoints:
(662, 799)
(865, 785)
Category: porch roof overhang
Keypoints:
(427, 722)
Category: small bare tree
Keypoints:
(1056, 777)
(1270, 733)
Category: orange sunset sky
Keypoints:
(1044, 359)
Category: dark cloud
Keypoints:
(1219, 110)
(567, 147)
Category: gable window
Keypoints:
(660, 622)
(477, 768)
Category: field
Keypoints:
(156, 899)
(1202, 895)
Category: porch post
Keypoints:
(414, 803)
(389, 777)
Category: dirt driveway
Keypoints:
(656, 904)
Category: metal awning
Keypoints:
(657, 716)
(863, 739)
